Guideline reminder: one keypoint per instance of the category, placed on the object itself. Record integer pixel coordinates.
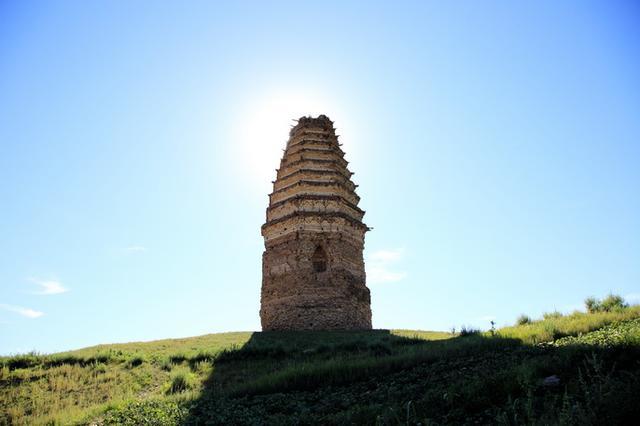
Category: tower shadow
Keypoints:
(289, 360)
(377, 377)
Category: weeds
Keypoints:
(402, 376)
(552, 315)
(165, 364)
(466, 331)
(567, 325)
(181, 380)
(135, 361)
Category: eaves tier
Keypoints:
(313, 191)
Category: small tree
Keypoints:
(592, 304)
(612, 302)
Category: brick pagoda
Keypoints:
(313, 274)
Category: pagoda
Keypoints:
(313, 275)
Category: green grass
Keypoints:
(182, 380)
(66, 387)
(556, 326)
(374, 377)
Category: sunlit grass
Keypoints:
(111, 382)
(557, 326)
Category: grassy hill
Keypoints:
(582, 368)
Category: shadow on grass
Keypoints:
(276, 358)
(276, 362)
(376, 377)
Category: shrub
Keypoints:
(592, 304)
(523, 319)
(611, 303)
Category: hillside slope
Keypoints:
(575, 369)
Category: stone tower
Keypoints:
(312, 268)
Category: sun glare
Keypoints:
(264, 126)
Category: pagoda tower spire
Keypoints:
(313, 274)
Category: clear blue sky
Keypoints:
(496, 145)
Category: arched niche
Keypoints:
(319, 260)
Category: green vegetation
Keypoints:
(523, 319)
(611, 303)
(181, 380)
(582, 368)
(71, 386)
(557, 326)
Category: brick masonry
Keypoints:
(313, 274)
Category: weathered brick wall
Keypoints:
(313, 268)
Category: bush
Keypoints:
(523, 319)
(592, 304)
(611, 303)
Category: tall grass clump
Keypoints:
(523, 319)
(135, 361)
(181, 380)
(27, 360)
(552, 315)
(466, 330)
(165, 364)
